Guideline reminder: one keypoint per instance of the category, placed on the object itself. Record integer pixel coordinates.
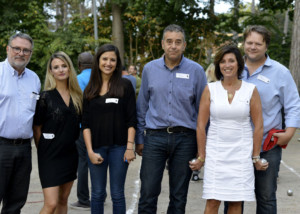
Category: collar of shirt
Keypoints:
(12, 70)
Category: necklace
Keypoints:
(230, 95)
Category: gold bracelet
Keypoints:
(201, 159)
(130, 142)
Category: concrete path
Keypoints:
(289, 178)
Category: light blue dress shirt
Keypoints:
(84, 78)
(169, 98)
(277, 89)
(18, 97)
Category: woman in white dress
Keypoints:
(231, 142)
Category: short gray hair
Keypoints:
(23, 36)
(174, 28)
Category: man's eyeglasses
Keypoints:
(17, 50)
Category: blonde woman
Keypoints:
(56, 127)
(210, 73)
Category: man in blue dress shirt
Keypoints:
(85, 62)
(167, 108)
(277, 90)
(19, 89)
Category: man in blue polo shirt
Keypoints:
(167, 108)
(19, 89)
(277, 90)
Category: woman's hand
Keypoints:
(261, 166)
(95, 158)
(196, 165)
(129, 155)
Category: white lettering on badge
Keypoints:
(48, 136)
(263, 78)
(182, 76)
(112, 100)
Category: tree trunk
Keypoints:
(295, 47)
(253, 7)
(117, 30)
(286, 26)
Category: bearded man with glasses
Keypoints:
(19, 89)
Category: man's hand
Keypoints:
(139, 149)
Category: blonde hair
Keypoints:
(210, 73)
(73, 86)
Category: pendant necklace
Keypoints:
(230, 95)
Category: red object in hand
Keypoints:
(271, 140)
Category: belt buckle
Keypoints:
(168, 130)
(18, 141)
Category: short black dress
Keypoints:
(57, 153)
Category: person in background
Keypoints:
(109, 123)
(210, 73)
(56, 128)
(277, 90)
(230, 104)
(85, 62)
(126, 75)
(19, 89)
(167, 108)
(132, 70)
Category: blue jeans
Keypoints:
(159, 146)
(266, 182)
(15, 169)
(113, 158)
(83, 194)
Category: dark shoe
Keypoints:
(79, 206)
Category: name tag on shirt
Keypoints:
(263, 78)
(35, 96)
(112, 100)
(182, 76)
(48, 136)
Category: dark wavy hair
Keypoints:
(116, 88)
(230, 48)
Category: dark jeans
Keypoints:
(15, 169)
(159, 146)
(113, 159)
(266, 182)
(83, 194)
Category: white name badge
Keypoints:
(48, 136)
(182, 76)
(35, 96)
(112, 100)
(263, 78)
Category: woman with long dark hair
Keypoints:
(109, 123)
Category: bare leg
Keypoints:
(212, 206)
(64, 192)
(235, 207)
(50, 200)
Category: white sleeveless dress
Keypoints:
(228, 170)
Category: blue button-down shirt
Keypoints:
(169, 97)
(18, 97)
(84, 78)
(277, 89)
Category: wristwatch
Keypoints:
(255, 159)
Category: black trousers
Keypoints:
(82, 171)
(15, 168)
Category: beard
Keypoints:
(19, 62)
